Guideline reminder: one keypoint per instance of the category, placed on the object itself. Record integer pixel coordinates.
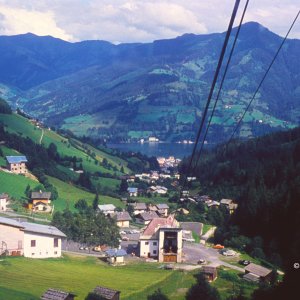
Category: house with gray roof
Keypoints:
(122, 218)
(29, 239)
(146, 217)
(252, 271)
(17, 164)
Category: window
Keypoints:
(154, 243)
(154, 252)
(55, 242)
(146, 243)
(33, 243)
(55, 252)
(19, 244)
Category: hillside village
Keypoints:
(118, 213)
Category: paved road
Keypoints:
(194, 252)
(41, 138)
(23, 217)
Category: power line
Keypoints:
(233, 15)
(222, 82)
(263, 79)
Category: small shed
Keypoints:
(107, 293)
(210, 273)
(263, 273)
(52, 294)
(116, 256)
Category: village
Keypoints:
(149, 232)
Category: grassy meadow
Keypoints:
(28, 278)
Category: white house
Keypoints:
(162, 239)
(42, 241)
(133, 191)
(138, 207)
(17, 164)
(3, 202)
(29, 239)
(107, 209)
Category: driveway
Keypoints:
(193, 252)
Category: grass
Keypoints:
(70, 194)
(81, 275)
(65, 147)
(205, 228)
(15, 185)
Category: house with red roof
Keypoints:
(162, 239)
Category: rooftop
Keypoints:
(106, 207)
(148, 215)
(40, 195)
(162, 206)
(10, 222)
(139, 206)
(43, 229)
(106, 293)
(16, 159)
(52, 294)
(132, 190)
(156, 223)
(257, 270)
(121, 216)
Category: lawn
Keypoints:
(15, 185)
(81, 274)
(70, 194)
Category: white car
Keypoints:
(229, 253)
(122, 232)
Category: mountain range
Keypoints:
(133, 91)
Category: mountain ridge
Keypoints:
(133, 87)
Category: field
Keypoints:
(28, 278)
(69, 195)
(15, 185)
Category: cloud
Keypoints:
(137, 20)
(19, 20)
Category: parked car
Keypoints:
(125, 238)
(201, 261)
(81, 248)
(122, 232)
(228, 252)
(244, 262)
(86, 248)
(97, 249)
(218, 246)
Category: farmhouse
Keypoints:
(146, 217)
(52, 294)
(162, 239)
(3, 202)
(253, 271)
(132, 191)
(161, 190)
(17, 164)
(122, 218)
(40, 201)
(29, 239)
(107, 209)
(138, 207)
(106, 293)
(162, 209)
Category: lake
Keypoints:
(156, 149)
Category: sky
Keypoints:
(126, 21)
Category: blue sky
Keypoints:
(120, 21)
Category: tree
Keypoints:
(4, 107)
(81, 205)
(157, 295)
(96, 201)
(202, 290)
(28, 191)
(123, 186)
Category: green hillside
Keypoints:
(15, 185)
(70, 194)
(91, 157)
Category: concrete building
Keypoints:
(17, 164)
(29, 239)
(3, 202)
(162, 239)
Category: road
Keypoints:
(194, 252)
(41, 138)
(22, 217)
